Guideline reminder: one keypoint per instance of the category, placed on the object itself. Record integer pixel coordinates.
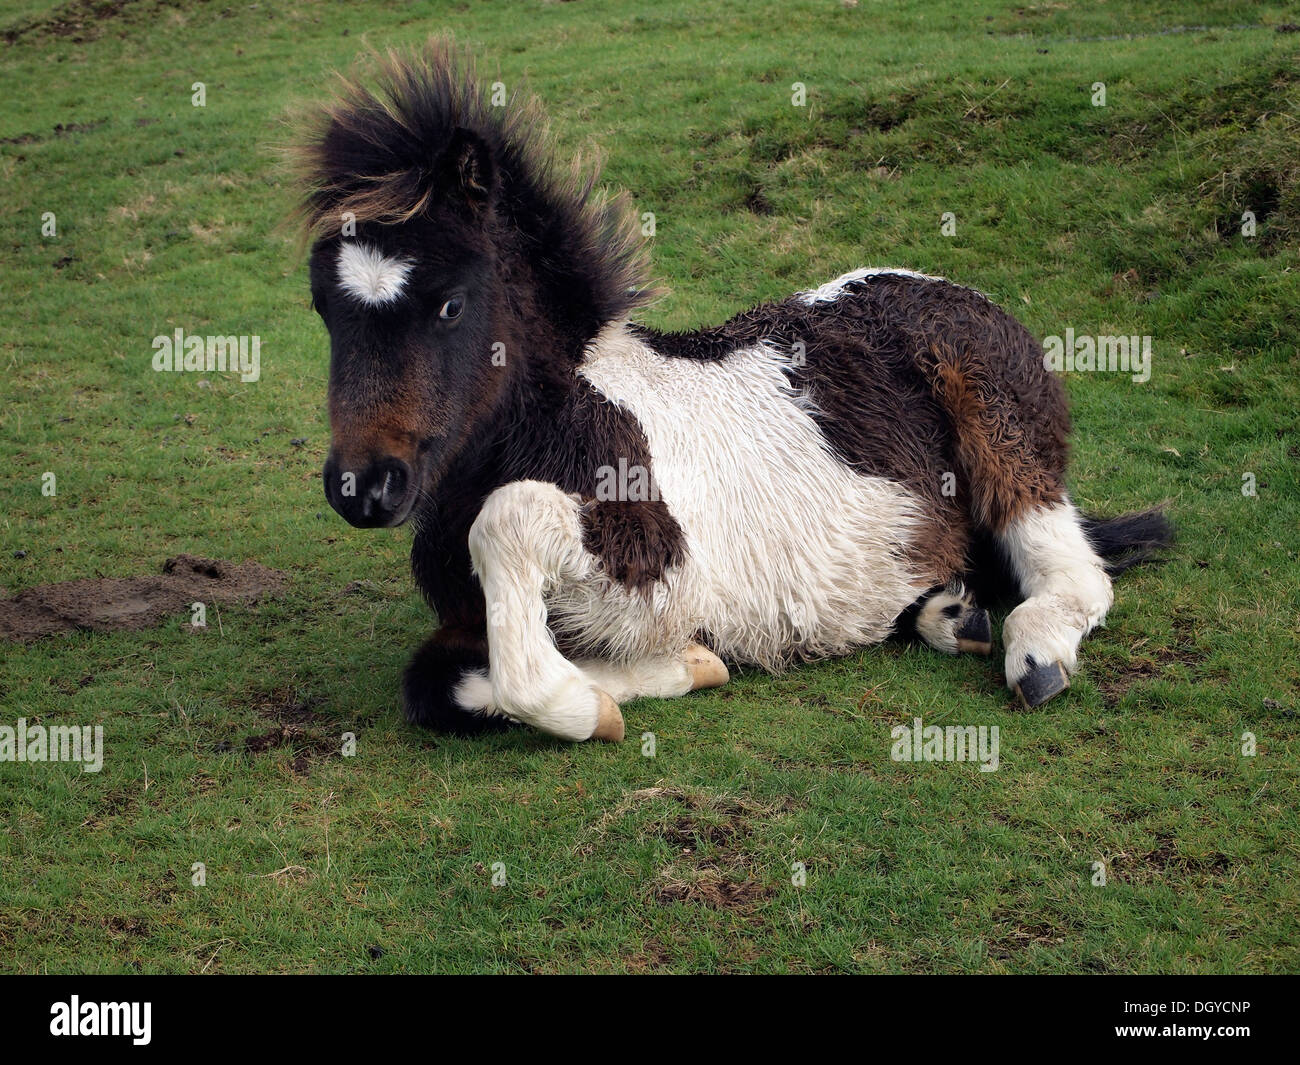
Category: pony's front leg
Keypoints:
(527, 540)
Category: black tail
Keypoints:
(1130, 539)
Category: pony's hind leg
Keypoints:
(660, 678)
(1067, 594)
(949, 620)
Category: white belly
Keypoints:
(790, 553)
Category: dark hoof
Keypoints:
(974, 631)
(1041, 683)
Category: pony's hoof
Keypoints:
(1041, 683)
(609, 725)
(974, 631)
(707, 670)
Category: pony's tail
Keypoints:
(1129, 539)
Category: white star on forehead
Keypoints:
(367, 275)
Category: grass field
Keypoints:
(1117, 219)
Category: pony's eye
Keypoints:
(452, 308)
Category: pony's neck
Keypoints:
(558, 290)
(551, 304)
(570, 273)
(550, 313)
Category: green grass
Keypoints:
(1122, 219)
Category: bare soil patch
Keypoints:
(133, 603)
(300, 726)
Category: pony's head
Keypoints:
(451, 266)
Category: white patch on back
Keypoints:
(790, 552)
(833, 290)
(371, 277)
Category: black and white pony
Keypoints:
(603, 511)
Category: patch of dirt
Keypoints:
(686, 834)
(717, 820)
(66, 686)
(111, 804)
(1255, 188)
(654, 957)
(304, 744)
(1009, 940)
(710, 887)
(719, 823)
(282, 736)
(81, 20)
(1164, 862)
(60, 130)
(133, 603)
(126, 926)
(757, 203)
(697, 818)
(1116, 683)
(288, 708)
(300, 726)
(881, 116)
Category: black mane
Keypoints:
(380, 153)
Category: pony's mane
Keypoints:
(372, 151)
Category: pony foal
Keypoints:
(603, 511)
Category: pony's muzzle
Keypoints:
(377, 496)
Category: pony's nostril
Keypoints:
(380, 496)
(393, 491)
(374, 496)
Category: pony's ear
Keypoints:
(470, 168)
